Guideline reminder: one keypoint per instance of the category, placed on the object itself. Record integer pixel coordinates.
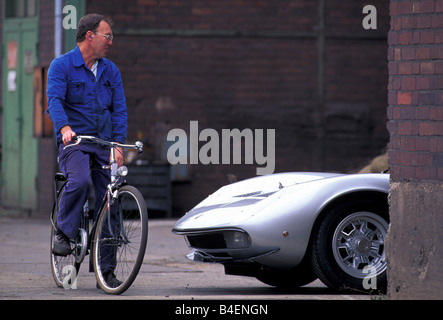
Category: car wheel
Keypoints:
(294, 278)
(348, 250)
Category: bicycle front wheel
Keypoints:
(120, 239)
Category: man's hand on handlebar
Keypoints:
(119, 157)
(67, 134)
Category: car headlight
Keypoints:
(236, 239)
(223, 239)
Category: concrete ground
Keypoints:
(165, 275)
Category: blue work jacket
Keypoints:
(90, 105)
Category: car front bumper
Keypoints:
(222, 245)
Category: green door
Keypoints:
(19, 146)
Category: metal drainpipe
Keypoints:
(58, 28)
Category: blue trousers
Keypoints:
(75, 163)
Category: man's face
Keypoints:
(100, 44)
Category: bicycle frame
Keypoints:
(112, 188)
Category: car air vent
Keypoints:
(256, 194)
(207, 241)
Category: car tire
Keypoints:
(348, 248)
(299, 276)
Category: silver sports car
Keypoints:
(288, 229)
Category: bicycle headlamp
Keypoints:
(122, 171)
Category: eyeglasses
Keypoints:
(108, 37)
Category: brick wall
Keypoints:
(46, 33)
(416, 90)
(416, 150)
(312, 73)
(304, 68)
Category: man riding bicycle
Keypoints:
(85, 97)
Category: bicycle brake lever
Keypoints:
(74, 138)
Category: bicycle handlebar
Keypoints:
(137, 146)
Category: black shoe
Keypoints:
(62, 246)
(110, 280)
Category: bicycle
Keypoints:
(119, 233)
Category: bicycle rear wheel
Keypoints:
(120, 238)
(64, 268)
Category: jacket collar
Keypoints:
(78, 58)
(78, 61)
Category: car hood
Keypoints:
(236, 202)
